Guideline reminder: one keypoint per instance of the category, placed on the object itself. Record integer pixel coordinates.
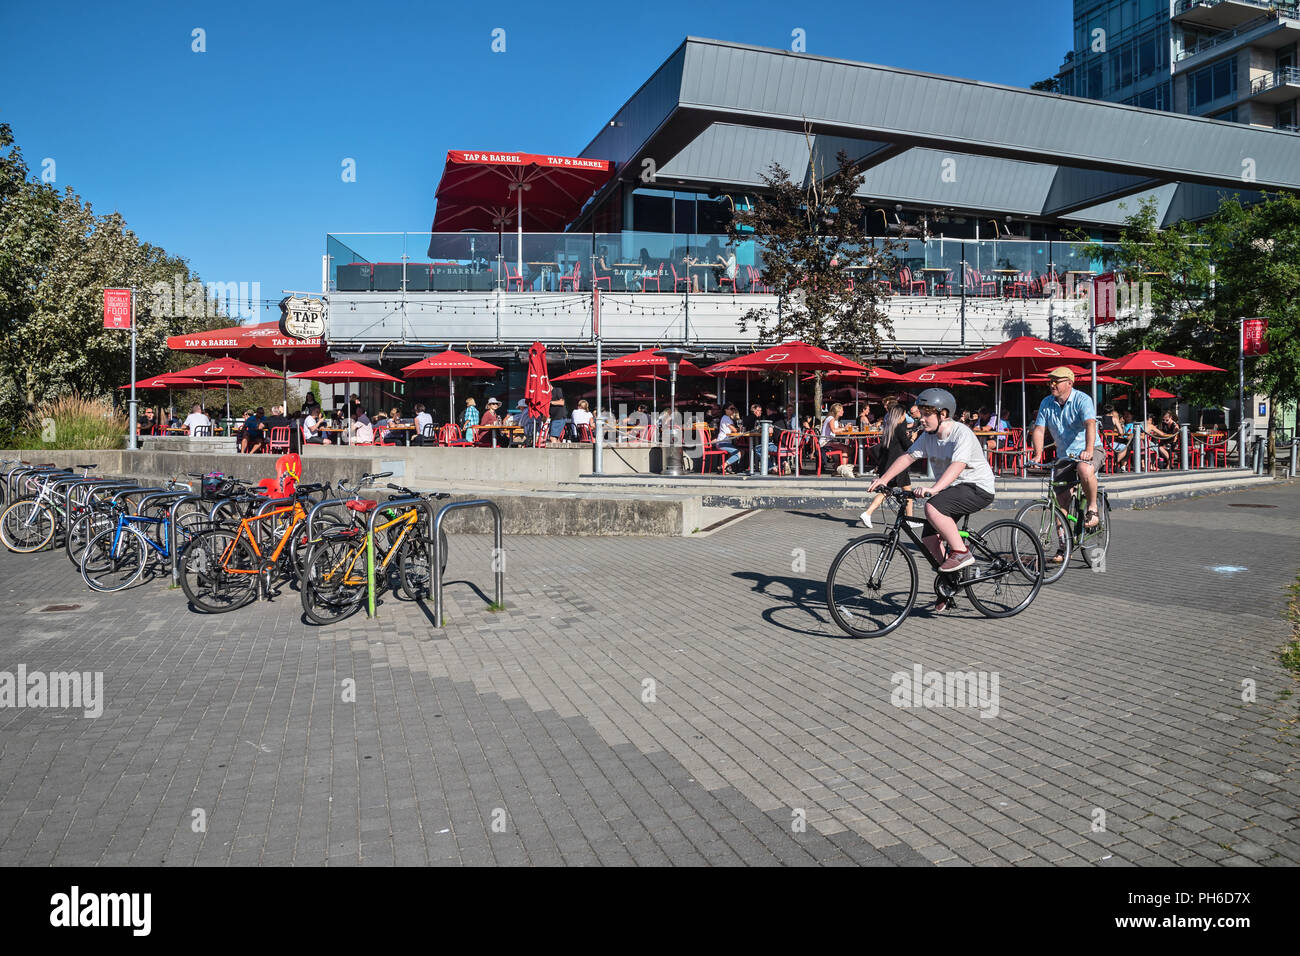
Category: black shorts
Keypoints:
(957, 501)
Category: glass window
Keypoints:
(684, 213)
(1094, 81)
(1214, 82)
(652, 211)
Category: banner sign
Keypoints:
(302, 318)
(117, 308)
(1103, 299)
(1254, 336)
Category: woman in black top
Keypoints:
(895, 440)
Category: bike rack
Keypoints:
(423, 503)
(18, 474)
(311, 515)
(271, 504)
(122, 493)
(172, 556)
(437, 552)
(96, 484)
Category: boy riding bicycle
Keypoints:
(964, 481)
(1072, 418)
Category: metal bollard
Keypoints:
(1184, 436)
(437, 553)
(1295, 444)
(1258, 454)
(764, 436)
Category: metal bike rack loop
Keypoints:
(422, 503)
(95, 485)
(172, 556)
(437, 552)
(18, 474)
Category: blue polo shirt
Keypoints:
(1068, 423)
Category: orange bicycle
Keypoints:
(224, 568)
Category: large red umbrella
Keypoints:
(450, 363)
(261, 344)
(1023, 354)
(938, 375)
(647, 361)
(1145, 362)
(537, 391)
(484, 191)
(225, 369)
(346, 371)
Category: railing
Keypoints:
(1183, 6)
(1247, 27)
(635, 261)
(1283, 77)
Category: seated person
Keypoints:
(423, 423)
(276, 419)
(251, 437)
(148, 424)
(196, 419)
(828, 442)
(581, 416)
(964, 482)
(1123, 446)
(1162, 441)
(727, 428)
(361, 431)
(311, 433)
(490, 417)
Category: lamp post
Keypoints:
(673, 450)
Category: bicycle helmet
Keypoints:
(938, 398)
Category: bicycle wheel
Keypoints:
(334, 579)
(325, 525)
(869, 590)
(415, 564)
(26, 526)
(211, 567)
(1098, 539)
(106, 566)
(1008, 570)
(85, 527)
(1053, 533)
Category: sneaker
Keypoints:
(866, 519)
(956, 561)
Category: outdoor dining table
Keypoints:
(544, 269)
(986, 433)
(334, 429)
(857, 437)
(1004, 276)
(498, 428)
(932, 274)
(406, 430)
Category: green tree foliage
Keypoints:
(56, 258)
(811, 237)
(1203, 278)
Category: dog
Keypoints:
(845, 471)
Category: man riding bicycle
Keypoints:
(964, 481)
(1072, 418)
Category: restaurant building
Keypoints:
(987, 188)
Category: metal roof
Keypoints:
(719, 113)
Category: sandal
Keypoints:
(1091, 525)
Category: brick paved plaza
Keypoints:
(534, 736)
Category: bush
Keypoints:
(69, 422)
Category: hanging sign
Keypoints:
(117, 308)
(1254, 336)
(1103, 299)
(302, 318)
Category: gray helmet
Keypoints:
(938, 398)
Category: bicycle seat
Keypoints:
(87, 466)
(363, 505)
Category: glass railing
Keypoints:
(663, 262)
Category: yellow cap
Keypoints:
(1061, 372)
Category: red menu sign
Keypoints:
(1254, 336)
(1103, 299)
(117, 308)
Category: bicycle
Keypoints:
(872, 584)
(94, 516)
(336, 573)
(223, 567)
(31, 522)
(1060, 530)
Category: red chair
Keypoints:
(513, 276)
(908, 284)
(585, 434)
(705, 436)
(657, 278)
(787, 447)
(597, 279)
(975, 281)
(1011, 455)
(1216, 450)
(1020, 287)
(756, 283)
(279, 439)
(543, 434)
(725, 279)
(450, 436)
(574, 280)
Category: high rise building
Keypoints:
(1232, 60)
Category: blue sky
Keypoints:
(232, 157)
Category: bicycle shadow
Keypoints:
(853, 522)
(806, 596)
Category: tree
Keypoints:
(816, 261)
(1049, 85)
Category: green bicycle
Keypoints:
(1060, 531)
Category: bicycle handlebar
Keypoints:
(432, 495)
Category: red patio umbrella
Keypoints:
(1023, 354)
(224, 371)
(1145, 362)
(346, 371)
(450, 363)
(479, 189)
(260, 344)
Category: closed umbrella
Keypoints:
(537, 390)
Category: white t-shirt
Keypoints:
(422, 419)
(726, 425)
(960, 445)
(197, 418)
(581, 416)
(309, 426)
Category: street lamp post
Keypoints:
(673, 450)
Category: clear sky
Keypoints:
(233, 157)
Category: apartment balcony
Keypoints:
(1277, 87)
(1274, 29)
(1226, 14)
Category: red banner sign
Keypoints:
(1254, 336)
(1103, 299)
(117, 308)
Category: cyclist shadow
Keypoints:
(849, 522)
(806, 599)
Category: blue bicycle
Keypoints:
(116, 557)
